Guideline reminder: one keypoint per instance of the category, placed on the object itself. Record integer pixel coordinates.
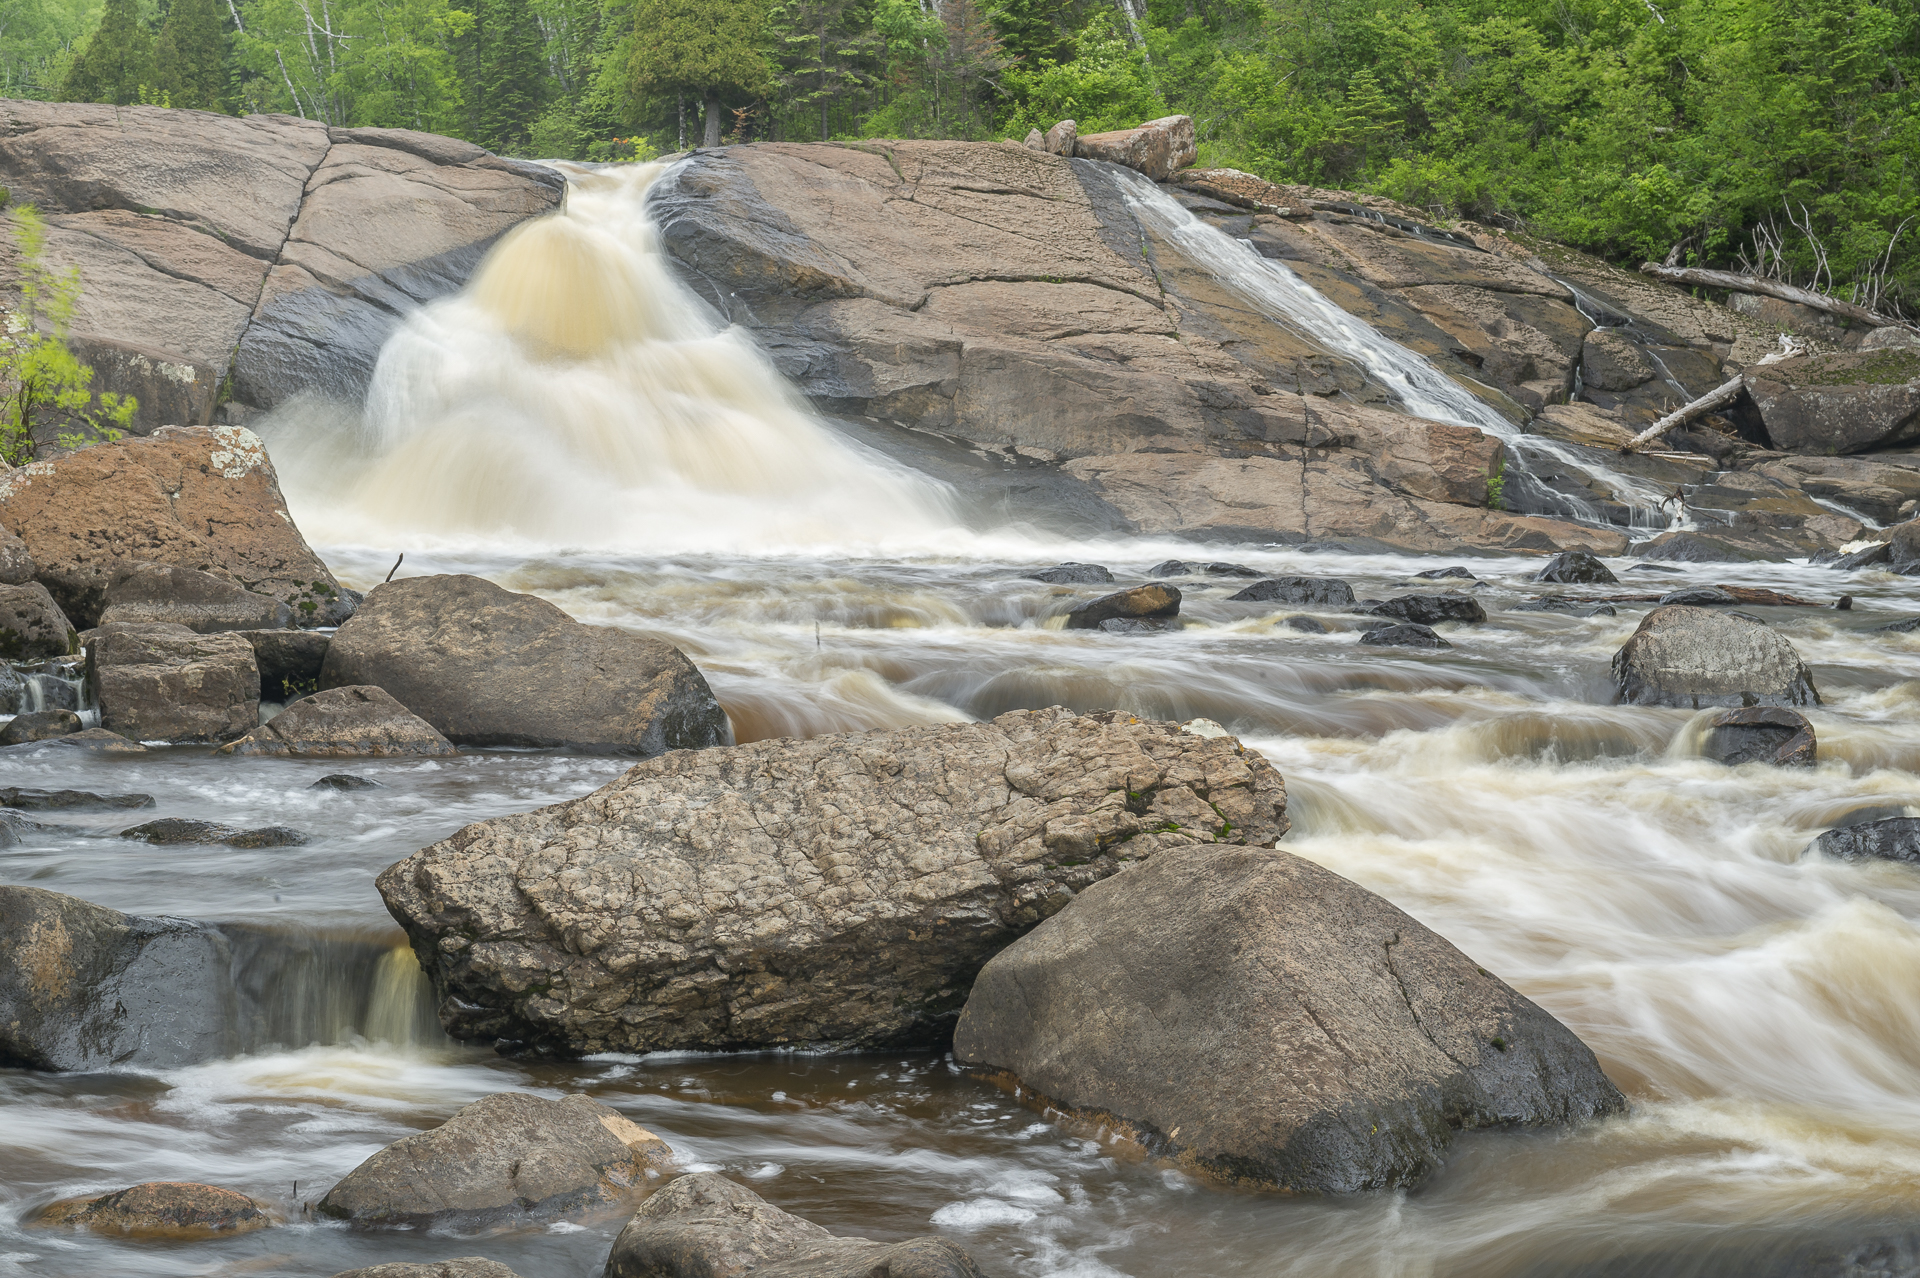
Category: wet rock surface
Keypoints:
(1330, 591)
(1431, 610)
(99, 741)
(1762, 734)
(27, 799)
(1891, 839)
(1258, 1019)
(1072, 575)
(38, 725)
(344, 781)
(706, 1226)
(1406, 634)
(509, 1159)
(1195, 568)
(142, 594)
(486, 666)
(32, 625)
(170, 831)
(166, 683)
(1575, 567)
(1840, 401)
(289, 661)
(841, 890)
(161, 1210)
(343, 723)
(458, 1267)
(1695, 658)
(1150, 602)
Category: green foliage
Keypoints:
(698, 45)
(39, 377)
(504, 74)
(117, 64)
(1105, 86)
(190, 55)
(1497, 486)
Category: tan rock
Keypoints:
(162, 1210)
(32, 626)
(1156, 148)
(344, 723)
(166, 683)
(1060, 138)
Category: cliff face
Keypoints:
(273, 250)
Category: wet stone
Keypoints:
(1152, 601)
(1190, 568)
(345, 781)
(1908, 626)
(1404, 635)
(163, 1210)
(30, 800)
(1306, 625)
(1325, 591)
(1138, 625)
(1431, 610)
(1438, 574)
(1894, 839)
(1695, 658)
(458, 1267)
(1072, 575)
(101, 741)
(1698, 597)
(1761, 734)
(178, 830)
(42, 725)
(1575, 567)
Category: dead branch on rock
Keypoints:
(1737, 283)
(1686, 412)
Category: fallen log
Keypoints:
(1736, 283)
(1686, 412)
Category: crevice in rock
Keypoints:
(253, 311)
(1406, 996)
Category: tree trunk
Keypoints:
(681, 99)
(713, 118)
(1768, 288)
(1724, 394)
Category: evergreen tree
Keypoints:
(190, 57)
(827, 50)
(117, 66)
(505, 74)
(705, 47)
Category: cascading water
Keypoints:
(575, 394)
(1423, 390)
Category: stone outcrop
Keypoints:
(1840, 402)
(204, 499)
(486, 666)
(289, 661)
(273, 251)
(841, 890)
(32, 626)
(28, 799)
(1695, 658)
(344, 723)
(16, 561)
(1258, 1019)
(166, 683)
(162, 1210)
(1891, 839)
(1157, 148)
(1761, 734)
(1156, 600)
(1071, 574)
(1326, 591)
(1431, 610)
(144, 594)
(39, 725)
(509, 1159)
(706, 1226)
(178, 831)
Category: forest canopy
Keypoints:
(1778, 136)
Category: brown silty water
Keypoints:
(1760, 1007)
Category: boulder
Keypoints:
(1060, 138)
(1760, 734)
(1691, 547)
(16, 561)
(163, 1210)
(289, 661)
(1404, 635)
(458, 1267)
(1431, 610)
(1138, 625)
(1327, 591)
(1458, 572)
(32, 626)
(1142, 602)
(32, 800)
(1188, 568)
(345, 781)
(1891, 839)
(143, 594)
(200, 498)
(39, 725)
(486, 666)
(1865, 557)
(1260, 1020)
(174, 831)
(1306, 625)
(1840, 401)
(706, 1226)
(1575, 567)
(1072, 575)
(1155, 148)
(1695, 658)
(840, 890)
(101, 741)
(84, 988)
(509, 1159)
(166, 683)
(1564, 603)
(343, 723)
(1699, 597)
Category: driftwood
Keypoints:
(1713, 399)
(1737, 283)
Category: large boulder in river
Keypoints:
(507, 1159)
(842, 890)
(166, 683)
(1840, 401)
(1761, 734)
(1261, 1020)
(163, 1210)
(1155, 601)
(143, 594)
(1575, 567)
(486, 666)
(1696, 657)
(1892, 839)
(32, 626)
(205, 499)
(344, 723)
(706, 1226)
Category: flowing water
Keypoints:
(1760, 1008)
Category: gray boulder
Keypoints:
(1892, 839)
(1839, 401)
(1575, 567)
(1760, 734)
(1141, 603)
(100, 741)
(486, 666)
(1329, 591)
(175, 831)
(458, 1267)
(1431, 610)
(39, 725)
(507, 1159)
(1406, 634)
(1190, 568)
(166, 683)
(16, 561)
(842, 890)
(162, 1210)
(343, 723)
(1071, 574)
(142, 594)
(26, 799)
(289, 661)
(1263, 1021)
(1699, 597)
(1695, 658)
(706, 1226)
(32, 627)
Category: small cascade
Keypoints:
(56, 684)
(1422, 389)
(297, 988)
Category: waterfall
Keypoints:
(1422, 389)
(576, 394)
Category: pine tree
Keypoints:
(505, 74)
(190, 57)
(827, 51)
(117, 65)
(703, 46)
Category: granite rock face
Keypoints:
(166, 683)
(142, 594)
(344, 723)
(842, 890)
(1695, 658)
(1258, 1019)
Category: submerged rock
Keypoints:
(179, 830)
(706, 1226)
(486, 666)
(1431, 610)
(161, 1210)
(143, 594)
(344, 781)
(507, 1159)
(1151, 601)
(1258, 1019)
(1893, 839)
(39, 725)
(1306, 625)
(1406, 634)
(1694, 658)
(100, 741)
(1186, 568)
(166, 683)
(1072, 575)
(32, 626)
(458, 1267)
(1139, 625)
(1328, 591)
(344, 723)
(1761, 734)
(31, 800)
(1699, 597)
(840, 890)
(1575, 567)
